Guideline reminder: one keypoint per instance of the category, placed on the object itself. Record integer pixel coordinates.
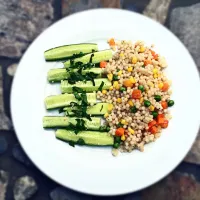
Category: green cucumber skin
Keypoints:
(67, 51)
(92, 138)
(96, 110)
(98, 57)
(86, 86)
(56, 75)
(63, 100)
(58, 121)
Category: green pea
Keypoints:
(155, 114)
(157, 98)
(117, 139)
(170, 103)
(108, 128)
(147, 103)
(141, 87)
(116, 145)
(134, 109)
(122, 89)
(115, 78)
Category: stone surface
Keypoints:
(5, 123)
(19, 155)
(12, 69)
(184, 22)
(24, 188)
(72, 6)
(61, 193)
(20, 22)
(3, 145)
(175, 187)
(4, 178)
(158, 10)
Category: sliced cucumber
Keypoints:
(57, 121)
(89, 137)
(86, 86)
(92, 57)
(61, 74)
(67, 51)
(98, 109)
(63, 100)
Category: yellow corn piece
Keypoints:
(123, 137)
(116, 85)
(110, 107)
(155, 71)
(151, 108)
(106, 115)
(111, 88)
(155, 76)
(121, 55)
(141, 100)
(160, 85)
(134, 59)
(130, 103)
(142, 49)
(123, 121)
(119, 73)
(130, 69)
(132, 80)
(119, 100)
(110, 77)
(131, 130)
(104, 91)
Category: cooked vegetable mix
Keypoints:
(125, 85)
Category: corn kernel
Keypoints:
(110, 77)
(130, 103)
(119, 100)
(155, 76)
(155, 71)
(123, 121)
(119, 73)
(151, 108)
(142, 49)
(110, 107)
(121, 55)
(134, 59)
(104, 91)
(106, 115)
(141, 100)
(111, 88)
(116, 85)
(123, 137)
(132, 80)
(130, 69)
(160, 85)
(131, 130)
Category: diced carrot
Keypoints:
(128, 83)
(153, 129)
(136, 94)
(112, 42)
(155, 56)
(147, 62)
(165, 124)
(160, 119)
(103, 64)
(164, 104)
(119, 132)
(165, 87)
(152, 123)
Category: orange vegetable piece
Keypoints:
(128, 83)
(152, 123)
(136, 94)
(155, 56)
(165, 124)
(160, 119)
(165, 87)
(103, 64)
(112, 42)
(147, 62)
(119, 132)
(153, 129)
(164, 104)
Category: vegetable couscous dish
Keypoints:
(118, 97)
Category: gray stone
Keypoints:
(184, 22)
(19, 155)
(61, 193)
(5, 123)
(24, 188)
(12, 69)
(3, 145)
(158, 10)
(4, 178)
(21, 21)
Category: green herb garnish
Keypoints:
(101, 86)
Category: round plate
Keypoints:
(94, 170)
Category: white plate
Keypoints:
(95, 170)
